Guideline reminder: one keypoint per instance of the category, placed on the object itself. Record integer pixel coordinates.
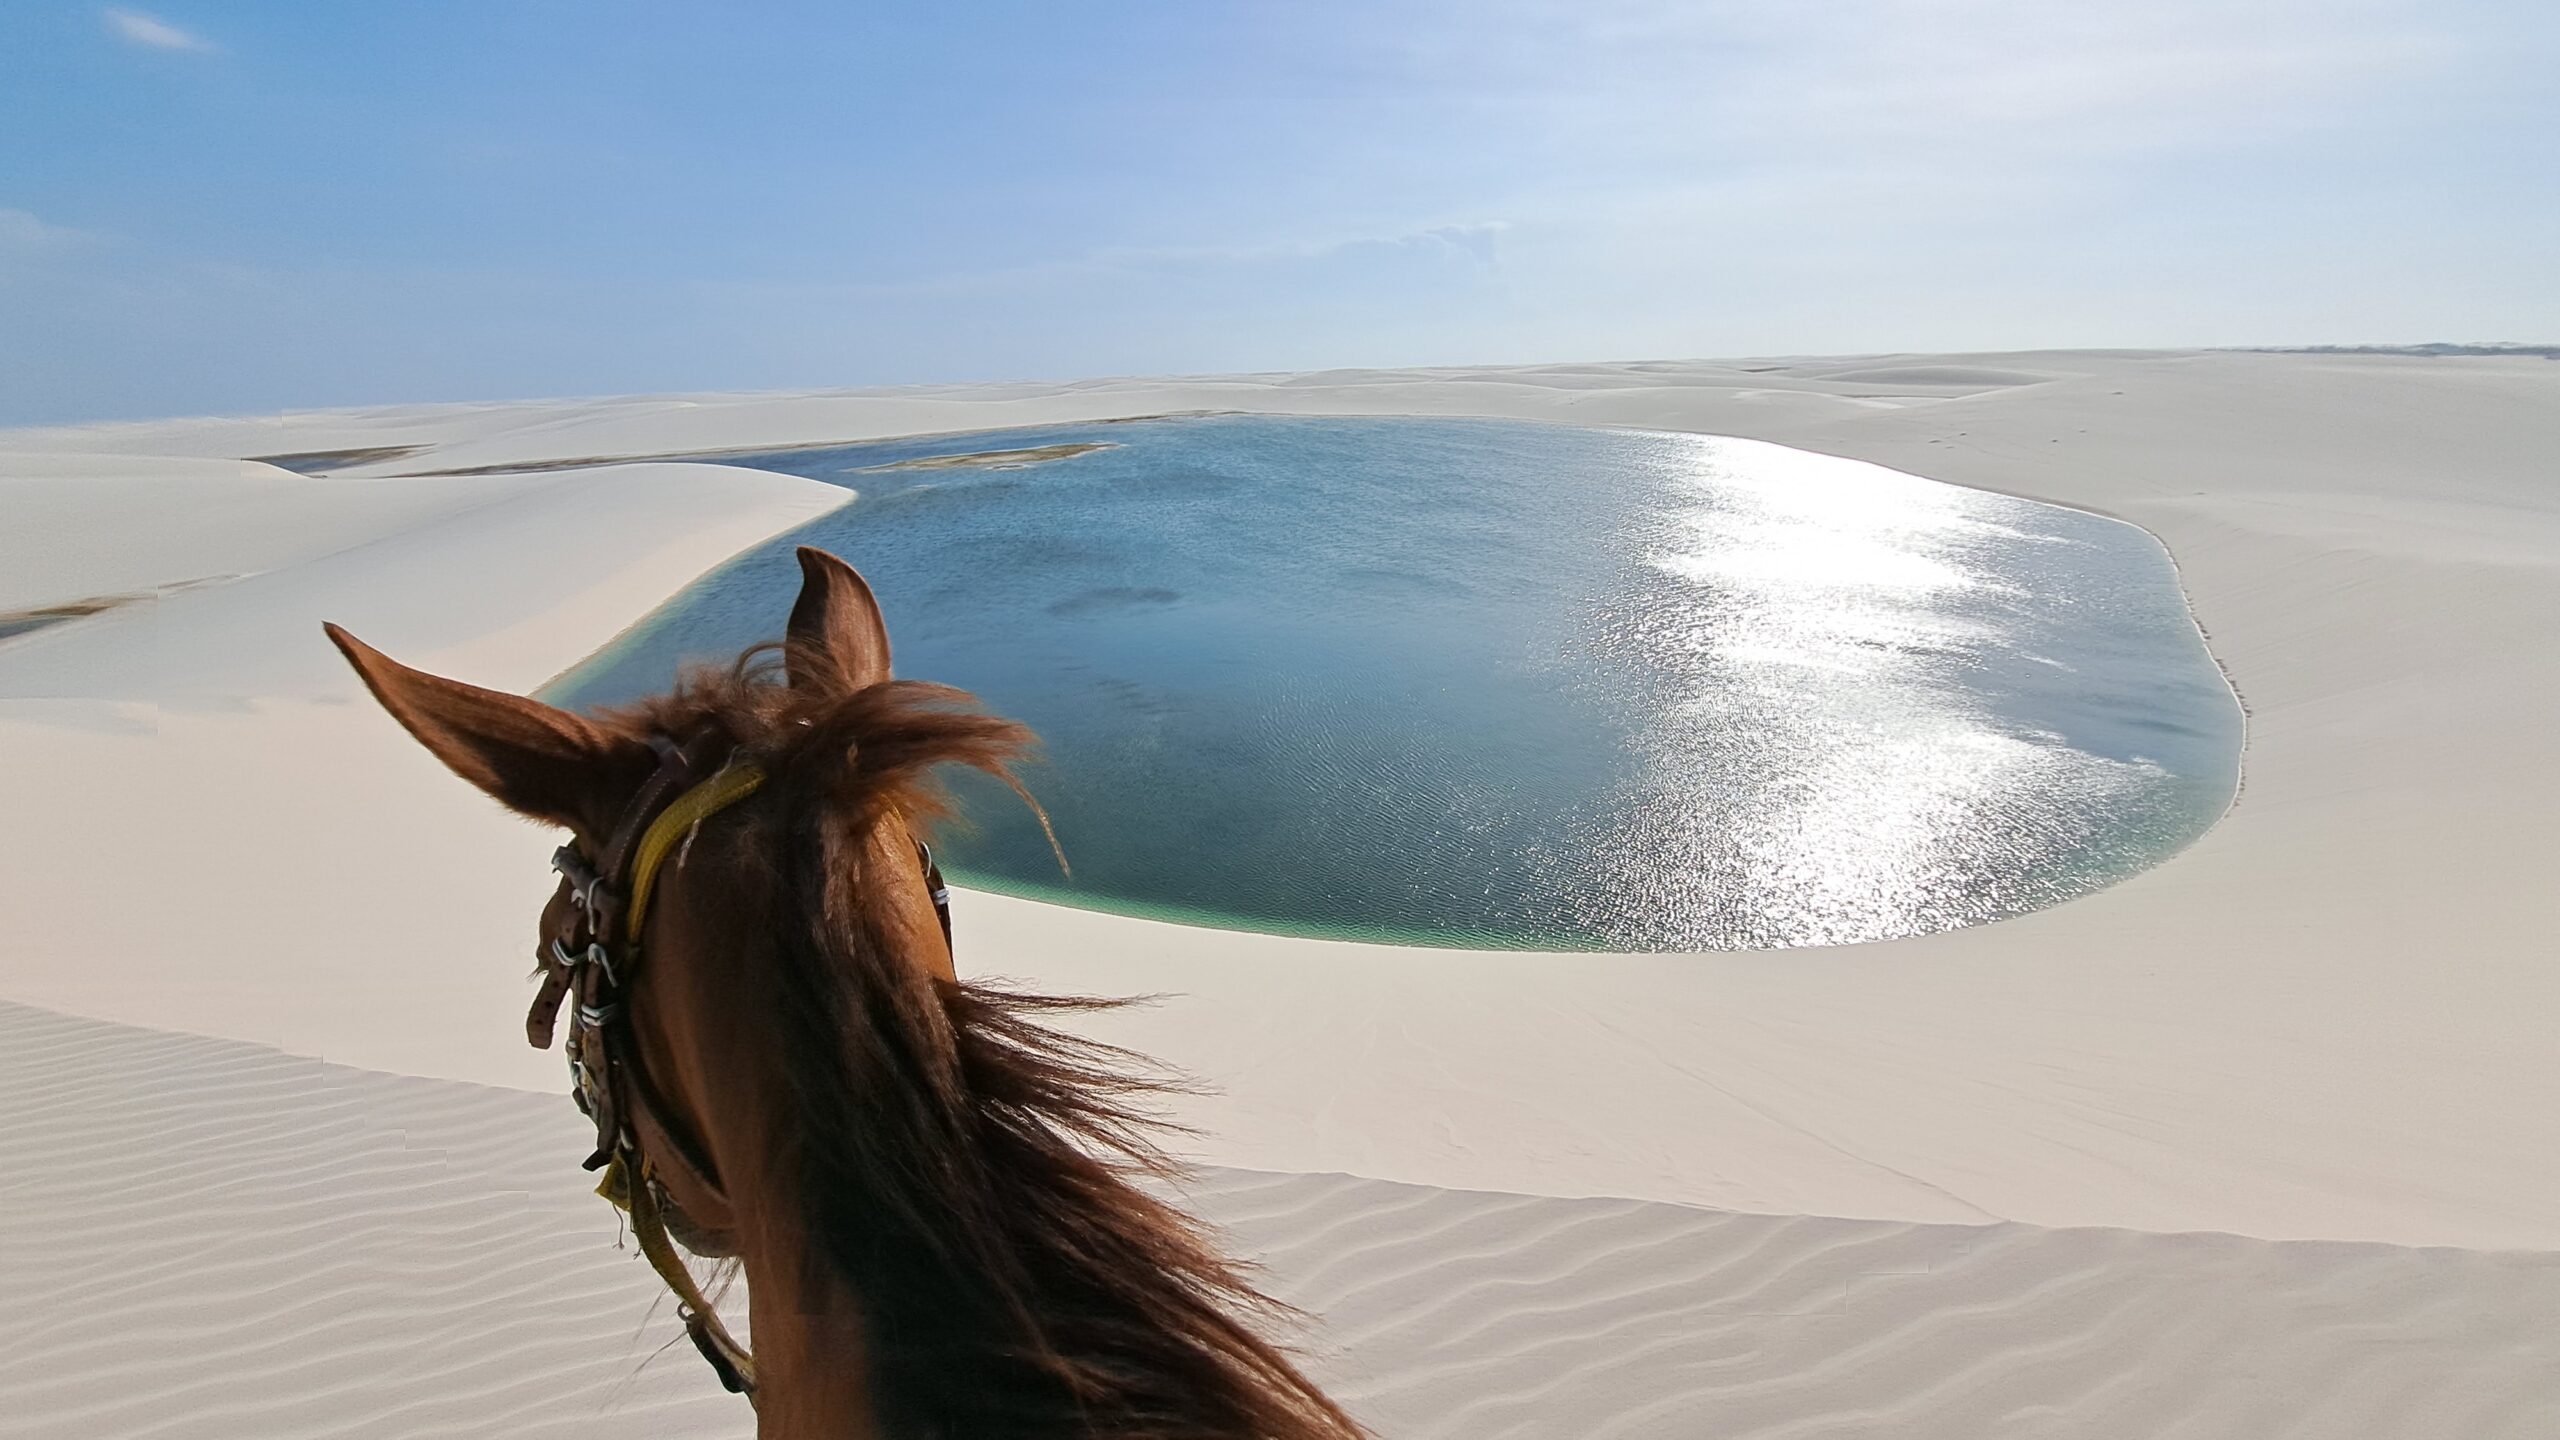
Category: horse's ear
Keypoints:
(837, 639)
(538, 761)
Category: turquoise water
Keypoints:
(1494, 684)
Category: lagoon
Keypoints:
(1495, 684)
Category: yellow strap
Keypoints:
(615, 1185)
(649, 1228)
(734, 783)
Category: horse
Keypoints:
(939, 1199)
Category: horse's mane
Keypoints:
(969, 1172)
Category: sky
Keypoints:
(246, 207)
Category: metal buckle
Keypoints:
(707, 1340)
(594, 954)
(583, 880)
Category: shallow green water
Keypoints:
(1483, 683)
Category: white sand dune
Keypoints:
(2326, 1020)
(1953, 377)
(579, 551)
(234, 1241)
(2326, 1026)
(73, 531)
(214, 786)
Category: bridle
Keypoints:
(594, 953)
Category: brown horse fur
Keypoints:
(933, 1193)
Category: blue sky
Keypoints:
(245, 207)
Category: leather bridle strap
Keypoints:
(596, 920)
(733, 1363)
(596, 954)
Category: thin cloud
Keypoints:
(1646, 87)
(21, 232)
(153, 33)
(1476, 237)
(1474, 241)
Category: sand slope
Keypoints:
(201, 790)
(238, 1242)
(101, 526)
(540, 556)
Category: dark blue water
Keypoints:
(1483, 683)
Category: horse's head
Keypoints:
(650, 1060)
(929, 1190)
(611, 779)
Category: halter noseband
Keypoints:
(594, 953)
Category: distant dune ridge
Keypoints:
(2259, 1143)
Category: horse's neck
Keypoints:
(712, 1020)
(805, 1322)
(811, 1380)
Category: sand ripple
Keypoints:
(1453, 1314)
(207, 1238)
